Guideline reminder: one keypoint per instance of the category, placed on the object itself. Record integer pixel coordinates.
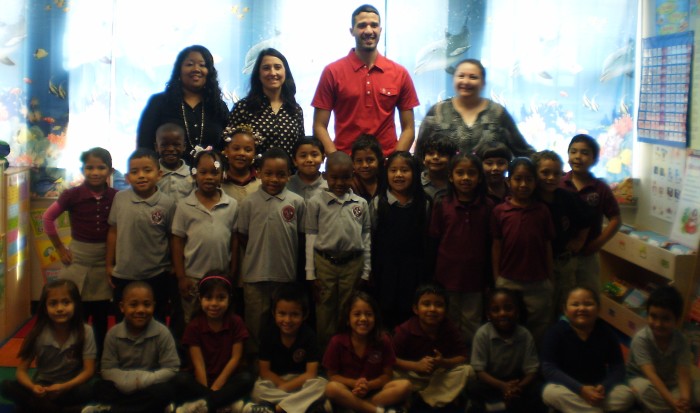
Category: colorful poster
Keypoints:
(685, 223)
(665, 89)
(35, 217)
(667, 165)
(672, 16)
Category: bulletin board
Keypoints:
(664, 96)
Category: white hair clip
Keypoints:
(217, 165)
(197, 149)
(194, 171)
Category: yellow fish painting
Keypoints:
(40, 54)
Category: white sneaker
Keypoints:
(96, 408)
(197, 406)
(237, 406)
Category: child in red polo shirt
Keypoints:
(359, 361)
(88, 207)
(522, 231)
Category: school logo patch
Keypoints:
(299, 355)
(357, 211)
(593, 199)
(157, 216)
(288, 213)
(375, 357)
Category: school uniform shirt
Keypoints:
(504, 358)
(176, 183)
(88, 213)
(304, 190)
(598, 196)
(272, 224)
(569, 215)
(134, 363)
(412, 343)
(288, 360)
(216, 346)
(143, 229)
(571, 362)
(341, 358)
(524, 234)
(432, 191)
(207, 233)
(59, 363)
(645, 351)
(340, 224)
(463, 231)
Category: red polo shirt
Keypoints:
(364, 100)
(341, 357)
(412, 343)
(524, 233)
(88, 213)
(598, 196)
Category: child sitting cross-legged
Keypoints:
(430, 350)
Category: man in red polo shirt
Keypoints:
(363, 89)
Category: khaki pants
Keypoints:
(337, 285)
(295, 401)
(648, 396)
(559, 397)
(440, 388)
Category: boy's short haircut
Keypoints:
(338, 158)
(134, 285)
(308, 140)
(493, 149)
(275, 153)
(439, 143)
(546, 155)
(291, 292)
(588, 141)
(171, 127)
(431, 288)
(143, 153)
(668, 298)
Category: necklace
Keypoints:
(187, 128)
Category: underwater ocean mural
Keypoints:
(77, 73)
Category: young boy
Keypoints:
(176, 181)
(337, 244)
(138, 241)
(430, 350)
(437, 151)
(269, 228)
(289, 357)
(660, 359)
(308, 157)
(495, 158)
(596, 194)
(571, 222)
(138, 360)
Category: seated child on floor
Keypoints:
(64, 350)
(430, 350)
(359, 361)
(289, 357)
(139, 358)
(659, 363)
(505, 359)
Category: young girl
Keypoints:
(399, 222)
(215, 338)
(460, 229)
(522, 250)
(359, 361)
(64, 350)
(582, 361)
(308, 157)
(368, 163)
(202, 229)
(504, 358)
(88, 207)
(240, 177)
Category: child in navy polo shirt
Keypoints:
(436, 152)
(269, 228)
(138, 241)
(289, 357)
(430, 350)
(583, 155)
